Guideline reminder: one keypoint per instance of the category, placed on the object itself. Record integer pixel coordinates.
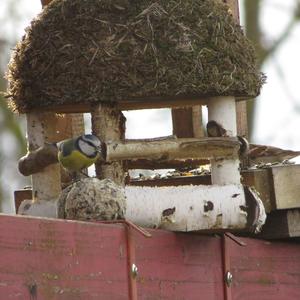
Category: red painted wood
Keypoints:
(66, 260)
(265, 270)
(179, 266)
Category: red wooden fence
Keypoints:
(68, 260)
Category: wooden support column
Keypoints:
(40, 129)
(197, 121)
(241, 106)
(223, 111)
(182, 122)
(108, 123)
(187, 122)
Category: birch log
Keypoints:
(46, 184)
(195, 208)
(108, 123)
(223, 111)
(168, 153)
(174, 149)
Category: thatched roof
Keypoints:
(92, 51)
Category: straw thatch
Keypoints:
(107, 50)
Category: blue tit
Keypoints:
(79, 153)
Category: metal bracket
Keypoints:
(129, 224)
(235, 239)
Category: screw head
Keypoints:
(228, 278)
(134, 271)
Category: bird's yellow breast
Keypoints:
(76, 161)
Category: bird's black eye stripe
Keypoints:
(91, 144)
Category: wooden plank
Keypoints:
(178, 164)
(182, 122)
(265, 270)
(179, 266)
(260, 180)
(131, 104)
(282, 224)
(21, 195)
(48, 259)
(62, 260)
(134, 104)
(76, 260)
(286, 186)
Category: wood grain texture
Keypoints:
(265, 270)
(108, 124)
(185, 148)
(241, 107)
(282, 224)
(183, 122)
(286, 186)
(66, 260)
(135, 104)
(46, 184)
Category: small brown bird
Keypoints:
(261, 154)
(214, 129)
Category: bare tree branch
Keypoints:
(278, 42)
(252, 9)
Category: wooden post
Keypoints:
(182, 122)
(108, 123)
(223, 111)
(40, 129)
(241, 106)
(187, 122)
(197, 121)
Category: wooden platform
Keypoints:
(68, 260)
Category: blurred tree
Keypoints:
(9, 124)
(254, 31)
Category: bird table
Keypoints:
(134, 61)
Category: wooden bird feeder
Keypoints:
(103, 58)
